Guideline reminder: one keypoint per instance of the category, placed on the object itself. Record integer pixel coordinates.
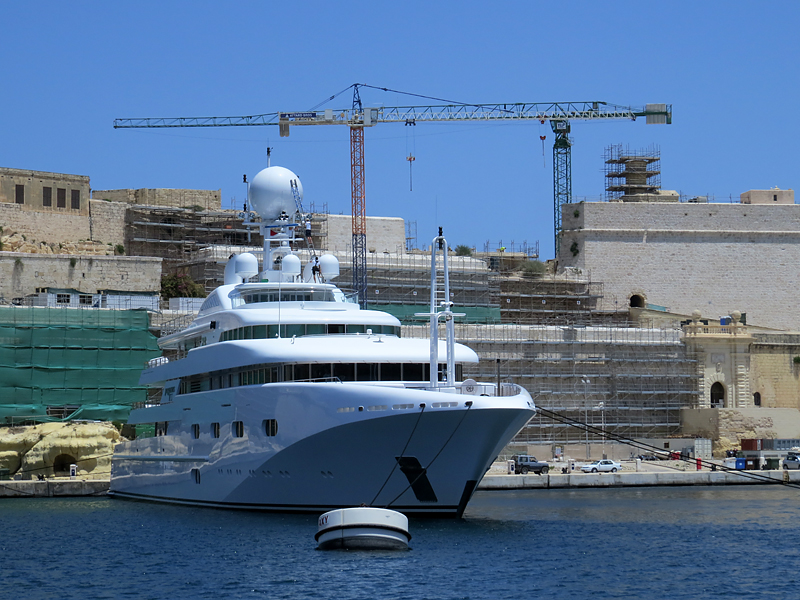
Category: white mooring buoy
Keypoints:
(363, 528)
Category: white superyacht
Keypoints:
(289, 397)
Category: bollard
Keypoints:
(699, 464)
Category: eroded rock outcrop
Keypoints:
(49, 449)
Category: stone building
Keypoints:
(45, 192)
(176, 198)
(384, 234)
(690, 255)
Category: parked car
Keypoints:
(791, 462)
(524, 463)
(602, 466)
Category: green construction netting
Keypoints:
(405, 312)
(82, 361)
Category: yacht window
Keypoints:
(259, 332)
(367, 372)
(413, 372)
(196, 475)
(315, 329)
(390, 372)
(271, 427)
(344, 371)
(355, 329)
(335, 328)
(215, 430)
(272, 331)
(196, 431)
(248, 333)
(290, 330)
(321, 371)
(161, 428)
(237, 428)
(288, 372)
(301, 372)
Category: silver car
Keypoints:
(791, 462)
(602, 466)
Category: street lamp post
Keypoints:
(586, 381)
(602, 407)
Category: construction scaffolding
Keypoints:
(175, 234)
(72, 363)
(199, 243)
(632, 172)
(627, 380)
(550, 300)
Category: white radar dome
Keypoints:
(271, 193)
(290, 265)
(240, 267)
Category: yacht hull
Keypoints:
(336, 445)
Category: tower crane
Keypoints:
(357, 118)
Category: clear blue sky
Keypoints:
(730, 70)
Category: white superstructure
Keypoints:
(287, 396)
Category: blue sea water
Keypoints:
(721, 542)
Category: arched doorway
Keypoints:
(61, 464)
(717, 395)
(637, 301)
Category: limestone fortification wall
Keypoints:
(384, 234)
(773, 372)
(728, 426)
(206, 199)
(44, 226)
(108, 221)
(713, 257)
(22, 274)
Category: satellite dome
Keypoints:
(271, 193)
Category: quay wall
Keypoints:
(50, 488)
(628, 479)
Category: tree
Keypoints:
(180, 286)
(533, 268)
(462, 250)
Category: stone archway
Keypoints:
(61, 464)
(717, 395)
(637, 301)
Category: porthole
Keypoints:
(270, 427)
